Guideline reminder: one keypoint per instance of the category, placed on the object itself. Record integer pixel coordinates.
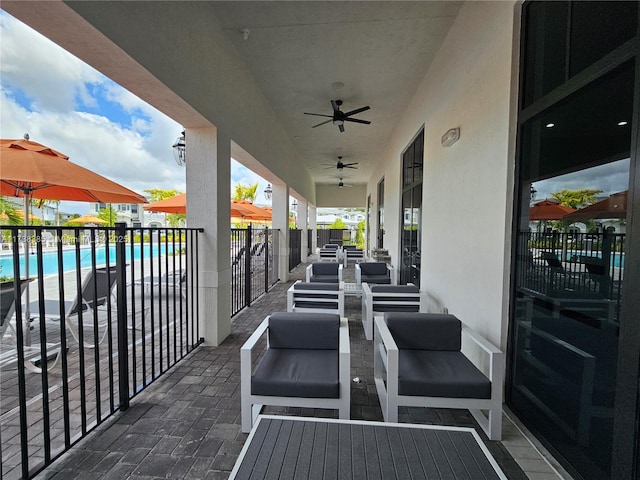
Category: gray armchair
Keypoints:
(324, 272)
(306, 364)
(316, 298)
(375, 272)
(418, 362)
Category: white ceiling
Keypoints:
(298, 53)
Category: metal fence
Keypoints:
(332, 235)
(90, 317)
(295, 248)
(254, 264)
(583, 265)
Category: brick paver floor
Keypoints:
(187, 424)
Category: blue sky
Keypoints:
(67, 105)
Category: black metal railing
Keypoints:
(309, 244)
(254, 264)
(580, 265)
(331, 235)
(295, 248)
(90, 317)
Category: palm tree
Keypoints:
(9, 215)
(245, 192)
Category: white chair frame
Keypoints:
(252, 404)
(369, 304)
(385, 366)
(294, 294)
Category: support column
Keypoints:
(280, 219)
(209, 191)
(314, 228)
(302, 213)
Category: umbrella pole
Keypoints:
(27, 241)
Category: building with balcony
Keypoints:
(471, 103)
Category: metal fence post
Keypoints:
(266, 259)
(247, 267)
(123, 341)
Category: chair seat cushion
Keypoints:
(297, 373)
(381, 307)
(316, 286)
(317, 305)
(395, 289)
(440, 374)
(324, 279)
(375, 279)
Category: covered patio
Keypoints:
(187, 425)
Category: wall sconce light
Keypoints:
(268, 192)
(180, 149)
(450, 137)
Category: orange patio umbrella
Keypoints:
(177, 204)
(548, 210)
(255, 212)
(85, 219)
(32, 170)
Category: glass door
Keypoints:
(412, 167)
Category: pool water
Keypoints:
(50, 259)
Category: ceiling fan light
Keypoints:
(338, 122)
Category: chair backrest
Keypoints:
(323, 268)
(425, 331)
(332, 246)
(96, 287)
(552, 260)
(316, 286)
(399, 298)
(306, 331)
(374, 268)
(8, 299)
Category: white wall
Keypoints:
(467, 187)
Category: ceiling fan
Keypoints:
(341, 184)
(341, 165)
(338, 118)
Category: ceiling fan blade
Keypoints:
(357, 120)
(321, 123)
(341, 127)
(349, 166)
(318, 114)
(335, 106)
(357, 110)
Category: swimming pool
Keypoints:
(50, 259)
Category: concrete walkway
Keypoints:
(187, 424)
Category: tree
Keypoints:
(157, 194)
(360, 234)
(108, 215)
(9, 214)
(245, 192)
(176, 219)
(576, 198)
(338, 224)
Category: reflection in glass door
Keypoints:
(412, 167)
(380, 231)
(570, 270)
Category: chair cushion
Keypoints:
(316, 305)
(315, 286)
(375, 279)
(381, 307)
(374, 268)
(332, 246)
(296, 330)
(325, 278)
(325, 268)
(395, 289)
(440, 374)
(297, 373)
(425, 331)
